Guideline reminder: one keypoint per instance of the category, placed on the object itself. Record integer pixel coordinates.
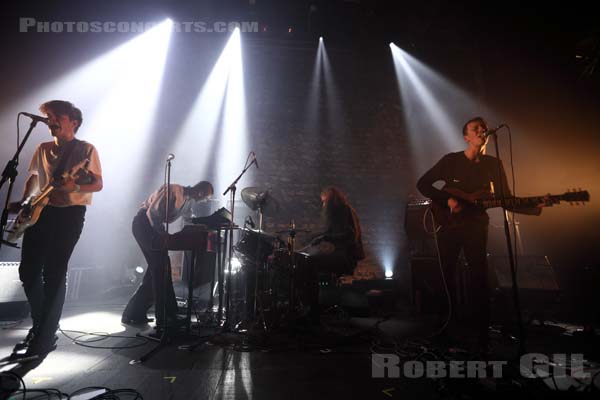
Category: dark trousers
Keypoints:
(47, 247)
(471, 238)
(157, 283)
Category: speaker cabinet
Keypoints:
(427, 287)
(539, 293)
(533, 273)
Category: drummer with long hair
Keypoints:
(340, 246)
(337, 250)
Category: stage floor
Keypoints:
(331, 362)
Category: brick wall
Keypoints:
(355, 142)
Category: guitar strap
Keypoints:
(60, 168)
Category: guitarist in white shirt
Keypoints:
(49, 242)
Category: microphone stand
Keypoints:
(10, 173)
(511, 259)
(232, 188)
(164, 337)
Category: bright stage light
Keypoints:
(312, 107)
(236, 265)
(434, 109)
(117, 93)
(233, 149)
(334, 104)
(387, 255)
(215, 130)
(323, 84)
(97, 322)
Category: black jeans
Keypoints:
(157, 283)
(47, 248)
(471, 237)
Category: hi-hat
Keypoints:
(260, 198)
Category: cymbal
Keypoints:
(256, 198)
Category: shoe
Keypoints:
(23, 344)
(36, 349)
(125, 319)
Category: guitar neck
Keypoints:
(42, 195)
(518, 202)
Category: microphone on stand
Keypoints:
(170, 157)
(491, 132)
(35, 117)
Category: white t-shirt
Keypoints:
(155, 205)
(47, 157)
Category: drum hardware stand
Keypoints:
(260, 313)
(212, 316)
(260, 200)
(292, 252)
(232, 188)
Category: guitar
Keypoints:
(484, 199)
(32, 207)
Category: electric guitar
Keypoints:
(32, 207)
(484, 199)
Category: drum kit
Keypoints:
(268, 265)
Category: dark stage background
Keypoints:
(526, 66)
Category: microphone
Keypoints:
(491, 132)
(36, 118)
(250, 221)
(170, 157)
(255, 160)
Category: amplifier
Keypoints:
(533, 272)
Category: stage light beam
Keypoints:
(215, 130)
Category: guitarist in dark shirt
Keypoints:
(467, 175)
